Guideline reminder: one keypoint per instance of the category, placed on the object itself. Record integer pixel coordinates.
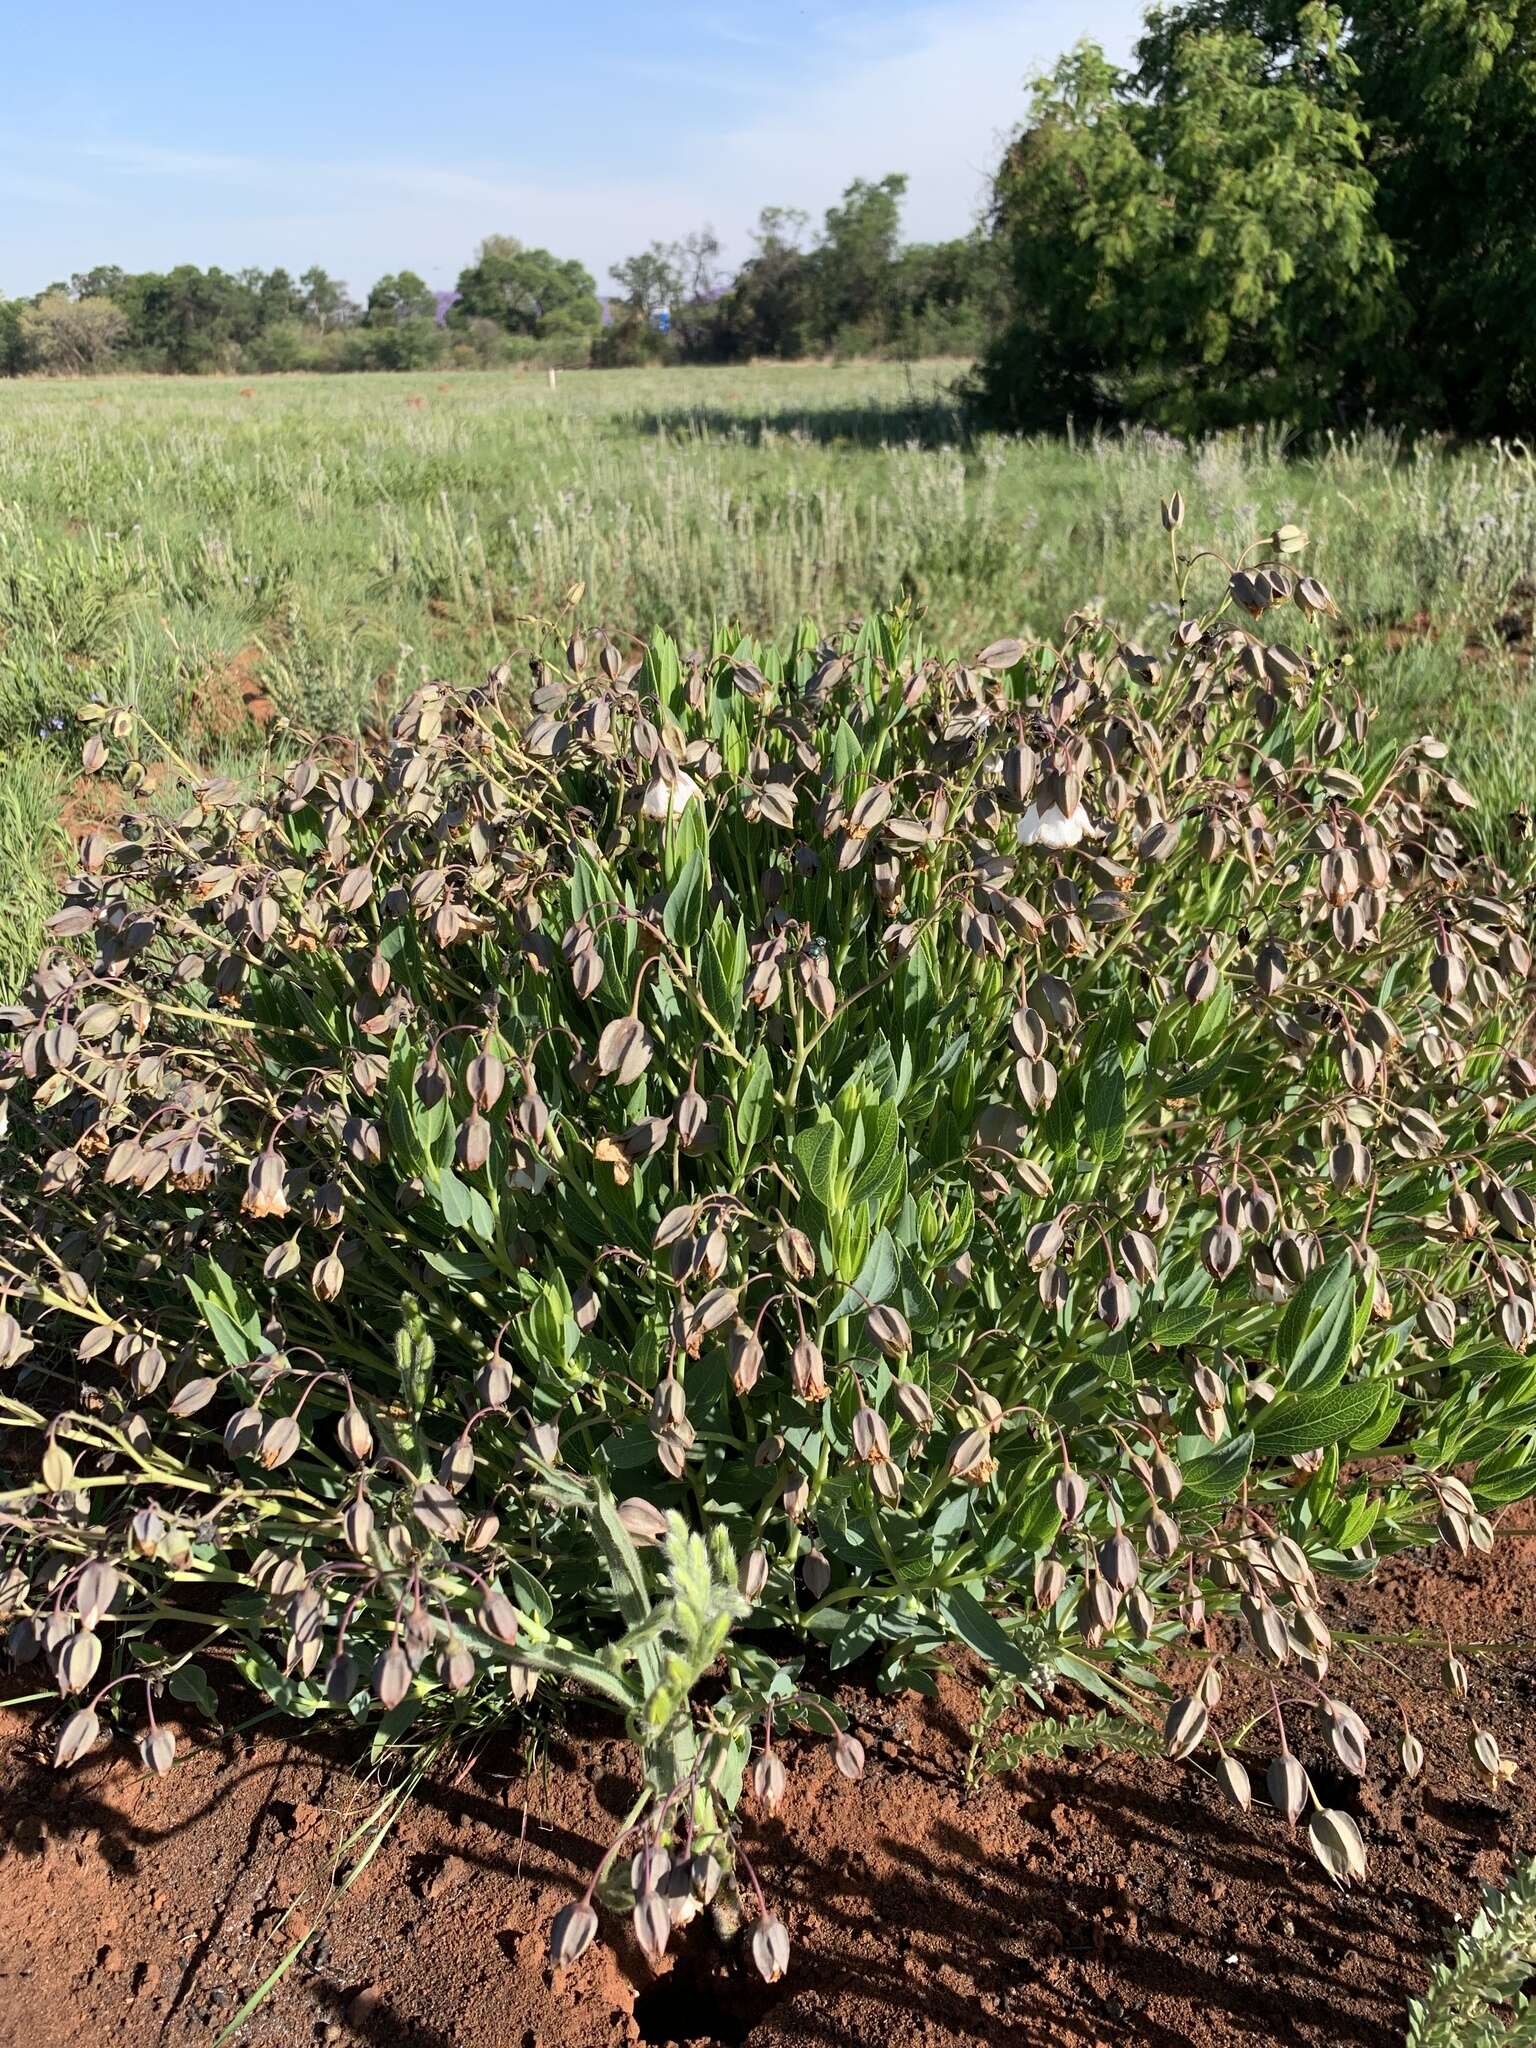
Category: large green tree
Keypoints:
(1445, 91)
(1196, 245)
(526, 291)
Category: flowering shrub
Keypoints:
(1030, 1155)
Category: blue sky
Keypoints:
(371, 138)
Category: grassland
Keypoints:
(217, 551)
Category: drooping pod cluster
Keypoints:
(1033, 1152)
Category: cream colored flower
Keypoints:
(1054, 827)
(664, 799)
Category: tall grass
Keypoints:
(341, 539)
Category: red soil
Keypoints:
(1102, 1900)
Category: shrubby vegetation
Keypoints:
(803, 1143)
(1285, 211)
(857, 291)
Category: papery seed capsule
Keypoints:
(1050, 1582)
(643, 1523)
(1233, 1782)
(848, 1755)
(816, 1573)
(807, 1370)
(357, 1525)
(1163, 1537)
(1286, 1783)
(279, 1441)
(1201, 979)
(391, 1677)
(456, 1467)
(1221, 1250)
(95, 1590)
(1042, 1242)
(1483, 1748)
(653, 1926)
(769, 1782)
(1337, 1845)
(871, 1439)
(797, 1255)
(1412, 1754)
(1266, 1626)
(353, 1434)
(496, 1616)
(455, 1667)
(1115, 1302)
(914, 1404)
(1184, 1727)
(753, 1574)
(1071, 1494)
(157, 1750)
(572, 1933)
(1103, 1606)
(889, 1330)
(1346, 1733)
(1118, 1562)
(77, 1660)
(76, 1738)
(58, 1467)
(770, 1948)
(485, 1077)
(745, 1355)
(970, 1457)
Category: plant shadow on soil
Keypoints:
(1100, 1899)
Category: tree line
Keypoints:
(854, 288)
(1281, 211)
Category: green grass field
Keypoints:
(326, 543)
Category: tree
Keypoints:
(526, 291)
(768, 310)
(400, 297)
(188, 319)
(1445, 92)
(857, 257)
(279, 299)
(325, 301)
(13, 355)
(70, 337)
(650, 280)
(105, 281)
(1197, 246)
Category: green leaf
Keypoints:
(817, 1151)
(876, 1279)
(878, 1171)
(977, 1629)
(1293, 1423)
(1217, 1474)
(1316, 1337)
(229, 1313)
(683, 918)
(754, 1102)
(190, 1685)
(1104, 1107)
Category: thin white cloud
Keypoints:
(929, 89)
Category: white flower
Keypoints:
(667, 799)
(1054, 827)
